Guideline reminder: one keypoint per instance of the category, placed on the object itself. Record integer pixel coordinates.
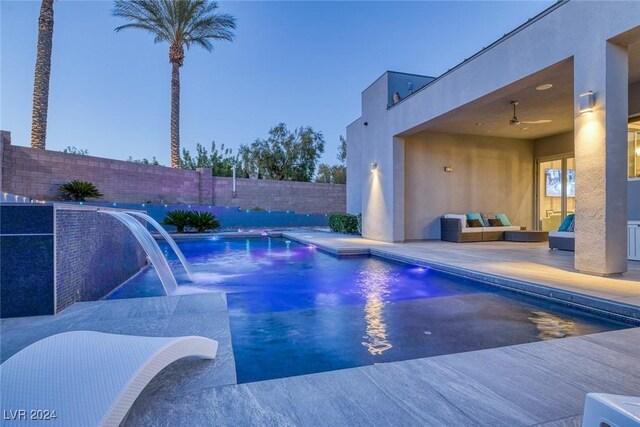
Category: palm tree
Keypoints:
(42, 74)
(181, 23)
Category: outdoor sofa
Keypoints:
(454, 228)
(564, 238)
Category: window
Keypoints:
(633, 139)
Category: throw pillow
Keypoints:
(572, 226)
(495, 222)
(566, 223)
(475, 216)
(504, 219)
(486, 216)
(474, 223)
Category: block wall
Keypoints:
(40, 173)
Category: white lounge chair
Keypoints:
(612, 410)
(88, 378)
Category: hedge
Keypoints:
(345, 223)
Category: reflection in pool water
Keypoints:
(550, 326)
(374, 285)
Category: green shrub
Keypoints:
(345, 223)
(200, 222)
(179, 219)
(203, 221)
(79, 190)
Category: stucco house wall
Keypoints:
(555, 145)
(547, 44)
(488, 175)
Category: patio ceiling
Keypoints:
(490, 114)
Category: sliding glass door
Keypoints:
(555, 191)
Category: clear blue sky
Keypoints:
(302, 63)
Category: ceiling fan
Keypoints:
(516, 121)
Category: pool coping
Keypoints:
(626, 313)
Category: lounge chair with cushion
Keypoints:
(564, 238)
(88, 378)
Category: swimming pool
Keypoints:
(295, 310)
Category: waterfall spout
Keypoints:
(151, 247)
(167, 237)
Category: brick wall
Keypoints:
(39, 173)
(302, 197)
(95, 253)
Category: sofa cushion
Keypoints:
(502, 228)
(461, 217)
(566, 222)
(564, 234)
(572, 226)
(471, 215)
(486, 216)
(495, 222)
(472, 230)
(503, 217)
(474, 223)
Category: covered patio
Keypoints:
(528, 127)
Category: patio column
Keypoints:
(600, 139)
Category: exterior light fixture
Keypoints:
(587, 102)
(448, 169)
(374, 166)
(366, 123)
(544, 86)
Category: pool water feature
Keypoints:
(150, 247)
(295, 310)
(167, 238)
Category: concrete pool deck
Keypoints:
(541, 384)
(528, 267)
(203, 314)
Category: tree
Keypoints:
(220, 161)
(72, 149)
(336, 174)
(144, 161)
(42, 76)
(284, 155)
(180, 23)
(342, 151)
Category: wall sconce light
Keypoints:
(587, 102)
(448, 169)
(374, 166)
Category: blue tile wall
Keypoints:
(26, 219)
(230, 217)
(95, 255)
(26, 276)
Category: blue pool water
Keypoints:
(295, 310)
